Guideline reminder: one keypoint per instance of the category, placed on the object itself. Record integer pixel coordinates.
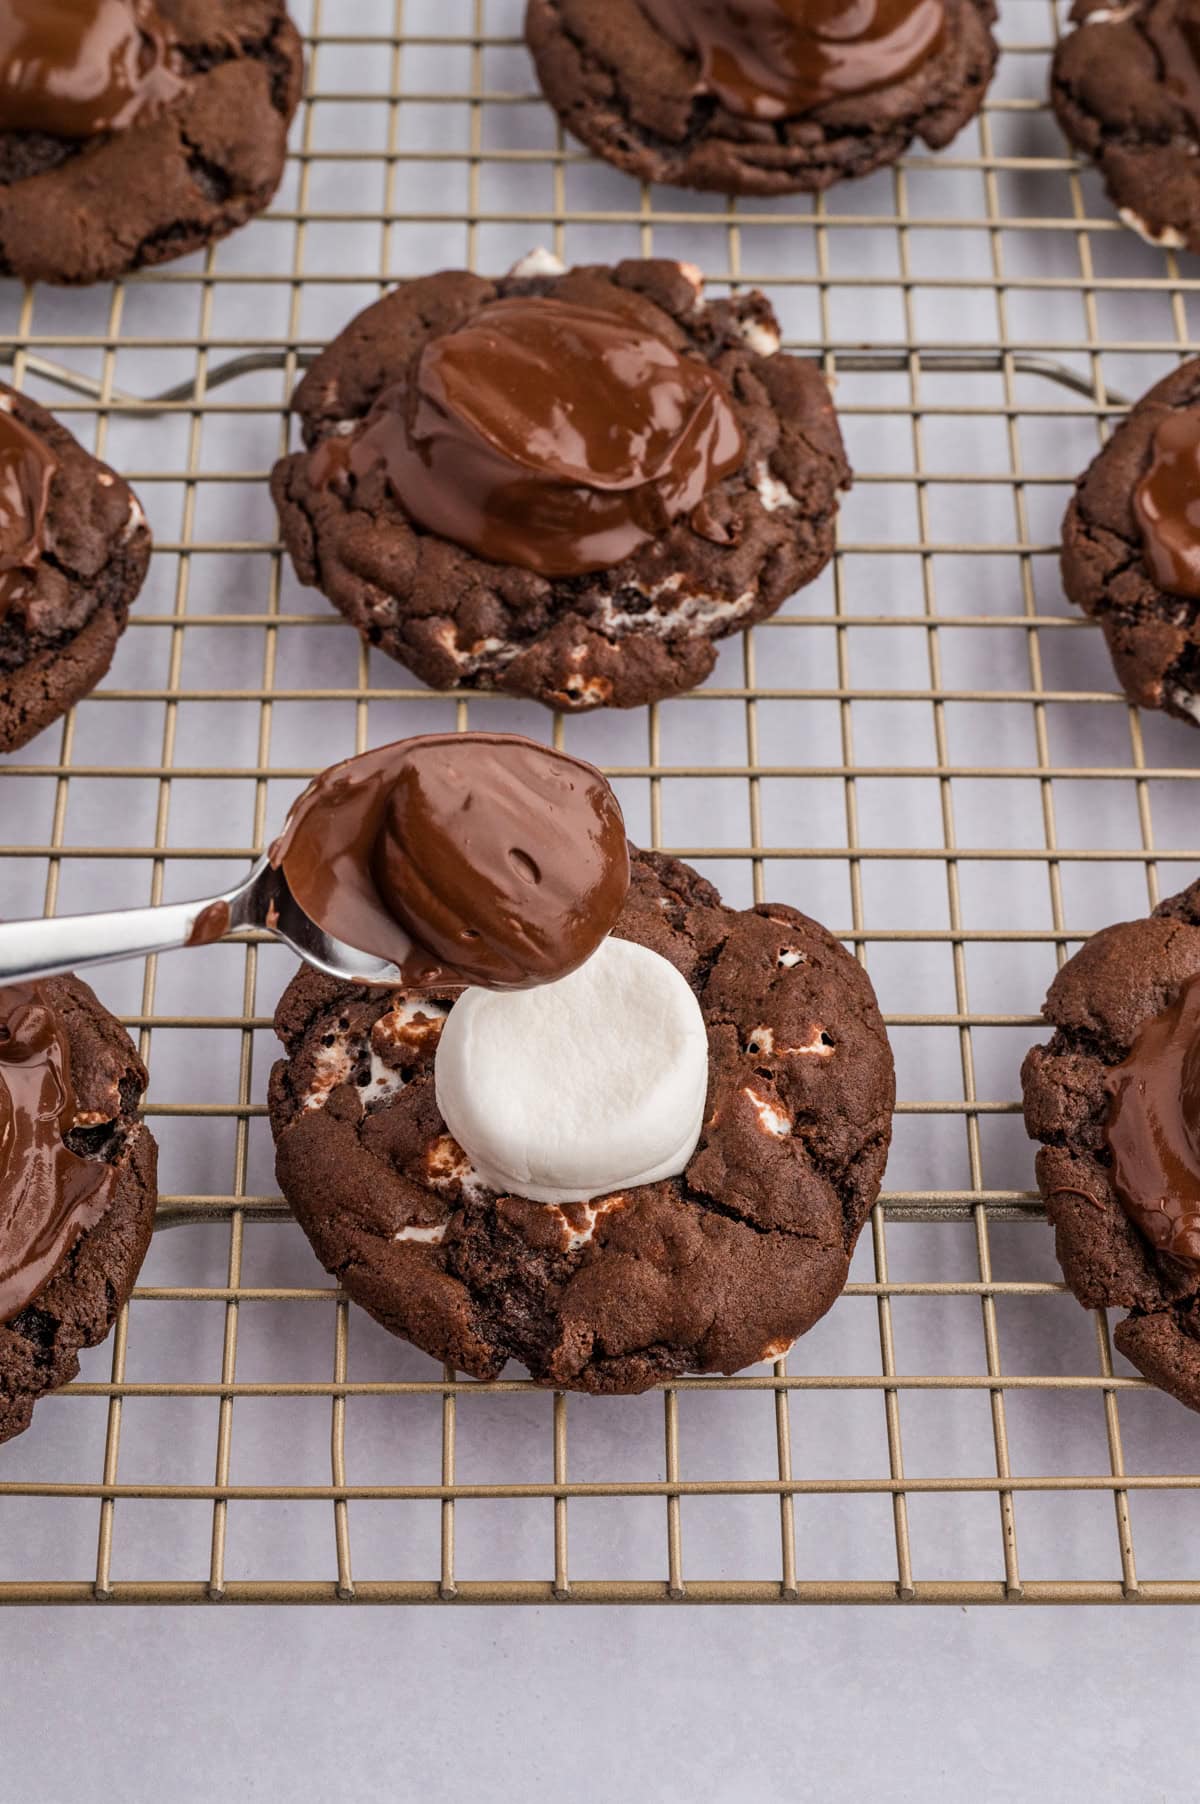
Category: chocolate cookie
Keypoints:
(662, 89)
(1126, 88)
(623, 635)
(74, 546)
(134, 131)
(76, 1217)
(1112, 1100)
(1119, 563)
(713, 1270)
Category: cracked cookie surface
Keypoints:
(1117, 982)
(1109, 91)
(629, 94)
(1152, 636)
(89, 210)
(39, 1347)
(621, 637)
(710, 1271)
(57, 645)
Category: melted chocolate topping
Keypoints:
(775, 59)
(210, 924)
(1173, 28)
(1153, 1128)
(548, 435)
(27, 467)
(49, 1196)
(1167, 504)
(463, 857)
(75, 68)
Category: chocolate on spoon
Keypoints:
(505, 861)
(450, 859)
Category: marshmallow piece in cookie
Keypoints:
(577, 1088)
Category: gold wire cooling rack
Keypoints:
(925, 749)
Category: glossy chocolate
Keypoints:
(463, 857)
(210, 924)
(549, 435)
(1173, 27)
(49, 1196)
(1167, 504)
(27, 467)
(1153, 1128)
(75, 68)
(777, 59)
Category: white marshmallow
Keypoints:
(578, 1088)
(539, 262)
(1189, 702)
(772, 493)
(1168, 238)
(760, 337)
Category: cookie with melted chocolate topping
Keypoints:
(710, 1271)
(670, 93)
(1122, 1193)
(1125, 534)
(689, 574)
(190, 147)
(1125, 86)
(77, 1304)
(74, 547)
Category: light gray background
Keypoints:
(656, 1704)
(671, 1702)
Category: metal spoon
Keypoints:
(44, 948)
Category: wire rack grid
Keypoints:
(924, 749)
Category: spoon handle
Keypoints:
(31, 949)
